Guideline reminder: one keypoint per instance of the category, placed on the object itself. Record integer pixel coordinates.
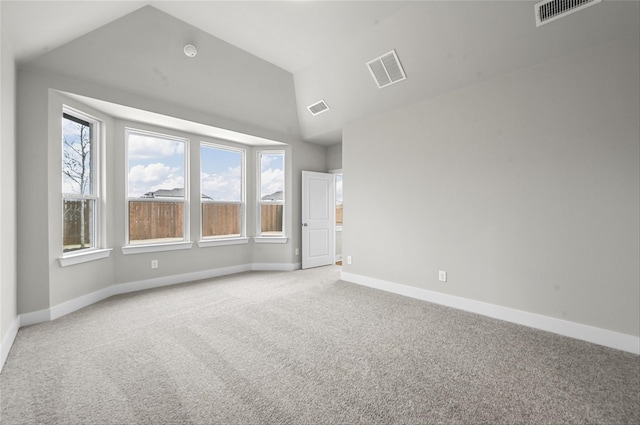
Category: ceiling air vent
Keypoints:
(386, 69)
(318, 108)
(550, 10)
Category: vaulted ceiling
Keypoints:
(442, 45)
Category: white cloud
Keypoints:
(223, 187)
(148, 147)
(271, 181)
(143, 179)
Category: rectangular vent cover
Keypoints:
(318, 108)
(386, 69)
(550, 10)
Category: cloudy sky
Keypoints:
(157, 163)
(221, 173)
(154, 163)
(272, 174)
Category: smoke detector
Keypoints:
(190, 50)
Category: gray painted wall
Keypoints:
(146, 74)
(8, 290)
(525, 189)
(334, 156)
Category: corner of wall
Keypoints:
(8, 279)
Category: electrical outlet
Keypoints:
(349, 260)
(297, 251)
(154, 264)
(442, 276)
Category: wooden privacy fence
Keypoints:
(161, 220)
(271, 218)
(221, 219)
(155, 220)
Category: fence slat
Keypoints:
(160, 220)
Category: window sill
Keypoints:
(222, 241)
(141, 249)
(83, 257)
(270, 239)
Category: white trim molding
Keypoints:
(7, 341)
(84, 256)
(275, 267)
(575, 330)
(205, 243)
(270, 239)
(35, 317)
(159, 247)
(86, 300)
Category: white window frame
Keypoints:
(226, 239)
(260, 238)
(91, 252)
(185, 243)
(337, 173)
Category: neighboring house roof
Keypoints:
(177, 192)
(275, 196)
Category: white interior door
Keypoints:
(318, 219)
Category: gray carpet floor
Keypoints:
(305, 348)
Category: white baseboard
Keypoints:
(141, 285)
(575, 330)
(275, 267)
(7, 341)
(35, 317)
(83, 301)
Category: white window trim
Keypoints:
(156, 247)
(260, 238)
(225, 239)
(135, 248)
(96, 183)
(270, 239)
(83, 256)
(222, 241)
(337, 172)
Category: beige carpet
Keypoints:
(305, 348)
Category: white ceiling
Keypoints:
(289, 34)
(443, 45)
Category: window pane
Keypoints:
(221, 219)
(271, 176)
(221, 174)
(155, 222)
(271, 219)
(156, 167)
(156, 172)
(76, 156)
(338, 199)
(271, 194)
(78, 219)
